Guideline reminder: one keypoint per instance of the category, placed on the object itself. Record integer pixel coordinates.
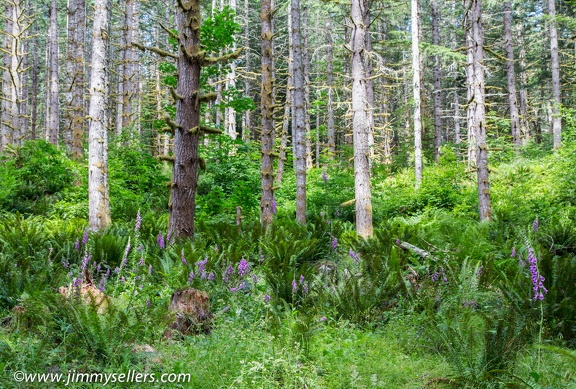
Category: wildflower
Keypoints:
(98, 268)
(102, 285)
(203, 275)
(85, 261)
(267, 298)
(301, 279)
(139, 248)
(107, 273)
(227, 273)
(168, 236)
(535, 225)
(141, 263)
(435, 276)
(127, 249)
(150, 270)
(305, 288)
(77, 245)
(537, 279)
(160, 240)
(123, 263)
(216, 247)
(202, 265)
(398, 241)
(191, 276)
(148, 303)
(294, 286)
(444, 278)
(323, 318)
(85, 237)
(76, 282)
(65, 263)
(123, 279)
(274, 206)
(254, 279)
(334, 243)
(513, 253)
(324, 176)
(117, 270)
(184, 262)
(261, 258)
(354, 256)
(211, 276)
(243, 267)
(138, 221)
(234, 290)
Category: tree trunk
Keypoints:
(476, 107)
(298, 114)
(306, 59)
(230, 113)
(556, 119)
(75, 68)
(511, 77)
(360, 124)
(437, 84)
(524, 120)
(7, 121)
(416, 60)
(246, 120)
(34, 91)
(330, 81)
(52, 122)
(98, 193)
(267, 111)
(369, 83)
(130, 65)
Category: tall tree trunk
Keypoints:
(298, 114)
(130, 66)
(34, 91)
(457, 138)
(52, 122)
(306, 59)
(360, 123)
(267, 111)
(511, 76)
(75, 68)
(416, 82)
(7, 121)
(437, 84)
(230, 113)
(98, 193)
(330, 81)
(121, 63)
(476, 106)
(369, 83)
(524, 120)
(556, 119)
(246, 120)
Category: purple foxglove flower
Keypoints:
(117, 270)
(203, 275)
(211, 276)
(435, 276)
(513, 253)
(139, 248)
(183, 259)
(267, 298)
(107, 273)
(141, 262)
(202, 265)
(354, 256)
(305, 288)
(148, 304)
(234, 290)
(138, 221)
(160, 240)
(85, 237)
(191, 276)
(334, 243)
(76, 282)
(123, 279)
(323, 318)
(324, 176)
(102, 285)
(243, 267)
(301, 279)
(254, 279)
(537, 279)
(77, 245)
(535, 225)
(294, 286)
(150, 270)
(65, 263)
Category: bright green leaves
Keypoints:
(219, 31)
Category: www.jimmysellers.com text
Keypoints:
(72, 377)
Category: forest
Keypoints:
(288, 194)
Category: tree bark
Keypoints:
(524, 119)
(556, 119)
(416, 66)
(230, 113)
(98, 192)
(360, 123)
(307, 105)
(476, 107)
(52, 119)
(511, 77)
(246, 120)
(330, 81)
(76, 112)
(437, 83)
(267, 111)
(369, 83)
(130, 68)
(298, 114)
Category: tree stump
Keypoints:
(189, 313)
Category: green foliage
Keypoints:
(219, 30)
